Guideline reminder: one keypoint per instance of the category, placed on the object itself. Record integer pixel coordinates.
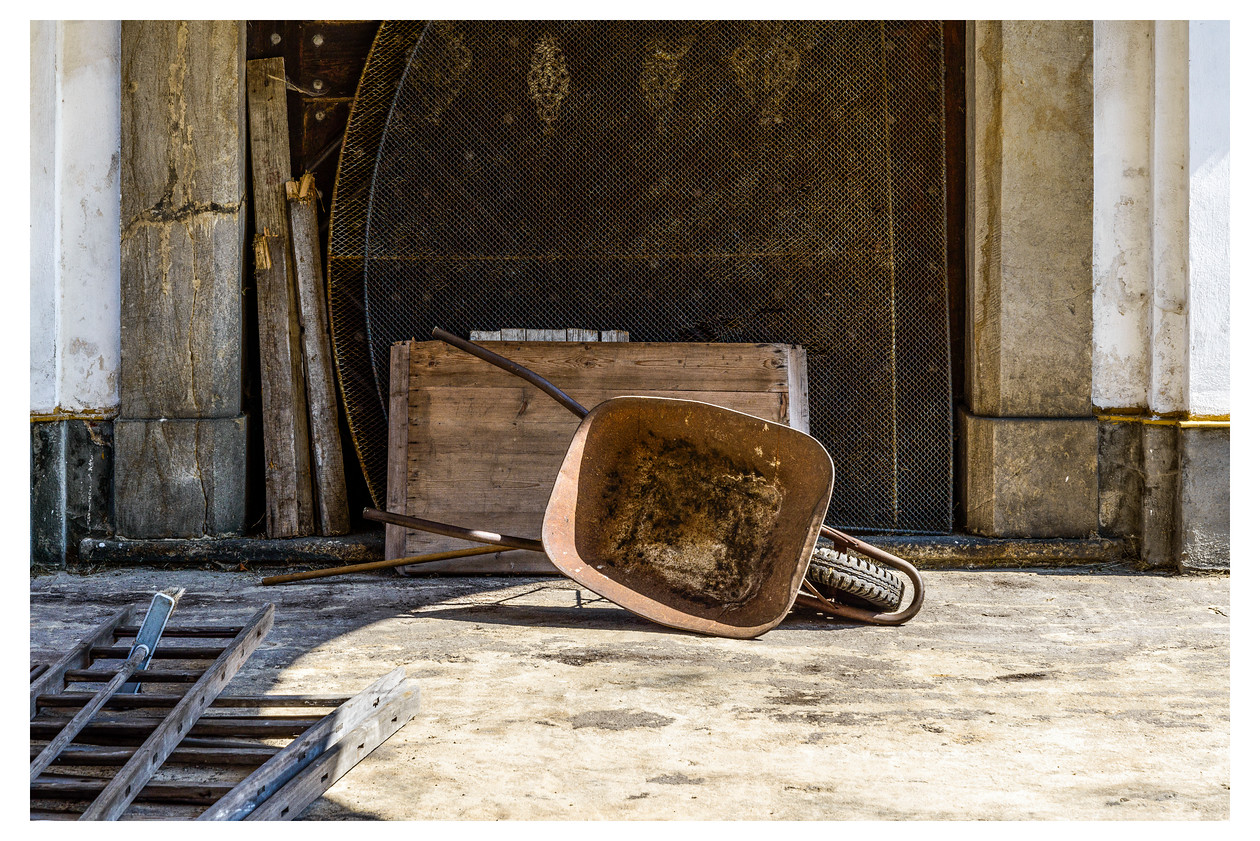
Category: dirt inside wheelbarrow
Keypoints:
(690, 518)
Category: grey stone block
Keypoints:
(1204, 499)
(1120, 479)
(180, 478)
(1030, 477)
(71, 475)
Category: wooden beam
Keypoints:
(133, 776)
(332, 508)
(302, 751)
(286, 428)
(311, 782)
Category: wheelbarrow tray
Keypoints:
(691, 515)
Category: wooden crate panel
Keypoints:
(473, 446)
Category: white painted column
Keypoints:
(1208, 367)
(75, 110)
(1123, 73)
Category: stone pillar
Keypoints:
(180, 437)
(1029, 435)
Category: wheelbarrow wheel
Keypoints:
(854, 580)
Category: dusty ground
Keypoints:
(1013, 695)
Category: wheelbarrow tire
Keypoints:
(854, 580)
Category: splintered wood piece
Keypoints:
(53, 679)
(286, 444)
(309, 784)
(302, 751)
(331, 506)
(286, 428)
(136, 773)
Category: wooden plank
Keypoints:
(142, 676)
(171, 631)
(140, 728)
(157, 699)
(578, 335)
(484, 336)
(286, 431)
(512, 334)
(131, 778)
(623, 367)
(53, 679)
(396, 469)
(331, 506)
(94, 755)
(483, 449)
(614, 336)
(286, 450)
(311, 782)
(166, 652)
(797, 396)
(87, 788)
(302, 751)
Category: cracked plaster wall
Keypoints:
(74, 304)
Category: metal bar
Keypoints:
(368, 567)
(512, 368)
(302, 751)
(81, 719)
(150, 633)
(133, 776)
(53, 679)
(453, 531)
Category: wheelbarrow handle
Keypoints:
(512, 368)
(476, 536)
(847, 541)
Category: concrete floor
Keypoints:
(1088, 695)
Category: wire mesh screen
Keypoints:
(684, 181)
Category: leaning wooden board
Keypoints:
(473, 446)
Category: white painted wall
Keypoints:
(75, 111)
(1161, 216)
(1209, 218)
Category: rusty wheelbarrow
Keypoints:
(691, 515)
